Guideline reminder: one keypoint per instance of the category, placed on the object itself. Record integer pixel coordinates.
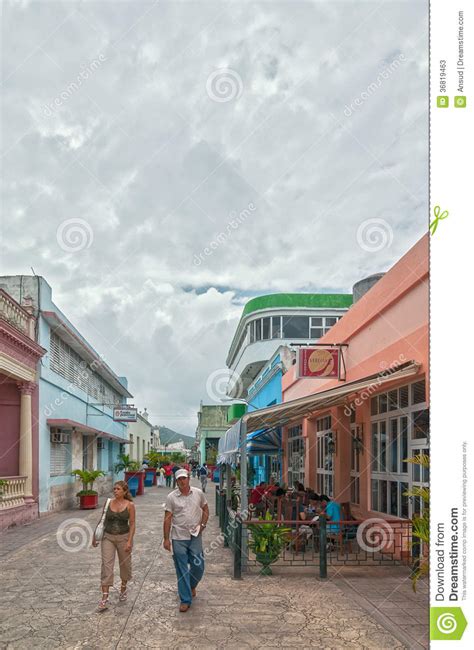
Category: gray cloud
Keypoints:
(157, 168)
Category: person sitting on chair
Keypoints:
(332, 513)
(256, 498)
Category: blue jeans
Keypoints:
(189, 564)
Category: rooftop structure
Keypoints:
(279, 319)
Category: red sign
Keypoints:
(318, 362)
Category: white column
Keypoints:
(26, 436)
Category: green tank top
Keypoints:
(117, 523)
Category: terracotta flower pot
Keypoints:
(88, 501)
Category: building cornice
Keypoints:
(280, 311)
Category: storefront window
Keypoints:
(355, 465)
(421, 424)
(399, 430)
(394, 445)
(295, 455)
(324, 457)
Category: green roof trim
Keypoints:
(298, 300)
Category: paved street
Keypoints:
(49, 597)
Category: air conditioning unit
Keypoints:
(59, 437)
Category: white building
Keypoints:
(268, 322)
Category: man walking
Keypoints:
(203, 476)
(168, 474)
(186, 515)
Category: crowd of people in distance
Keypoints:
(166, 473)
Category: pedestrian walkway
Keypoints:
(50, 591)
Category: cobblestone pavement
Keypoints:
(49, 596)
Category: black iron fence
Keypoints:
(314, 542)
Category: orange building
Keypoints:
(354, 446)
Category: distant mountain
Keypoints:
(168, 436)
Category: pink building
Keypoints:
(353, 446)
(19, 356)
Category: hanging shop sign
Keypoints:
(318, 362)
(125, 414)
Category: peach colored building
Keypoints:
(355, 450)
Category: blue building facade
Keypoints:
(77, 393)
(265, 391)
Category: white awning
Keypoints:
(283, 414)
(229, 445)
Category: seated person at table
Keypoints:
(279, 492)
(332, 512)
(256, 496)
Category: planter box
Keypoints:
(89, 501)
(150, 476)
(140, 475)
(132, 483)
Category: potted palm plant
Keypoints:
(420, 523)
(134, 476)
(267, 542)
(88, 497)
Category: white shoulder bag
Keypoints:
(99, 531)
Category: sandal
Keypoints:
(104, 603)
(123, 594)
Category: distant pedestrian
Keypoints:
(174, 469)
(168, 474)
(119, 529)
(161, 476)
(203, 476)
(186, 515)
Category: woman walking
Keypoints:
(161, 477)
(119, 529)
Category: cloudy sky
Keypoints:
(165, 161)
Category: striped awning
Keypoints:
(267, 441)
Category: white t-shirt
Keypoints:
(186, 511)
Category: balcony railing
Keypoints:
(11, 312)
(12, 491)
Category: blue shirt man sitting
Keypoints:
(333, 512)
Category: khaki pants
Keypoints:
(111, 544)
